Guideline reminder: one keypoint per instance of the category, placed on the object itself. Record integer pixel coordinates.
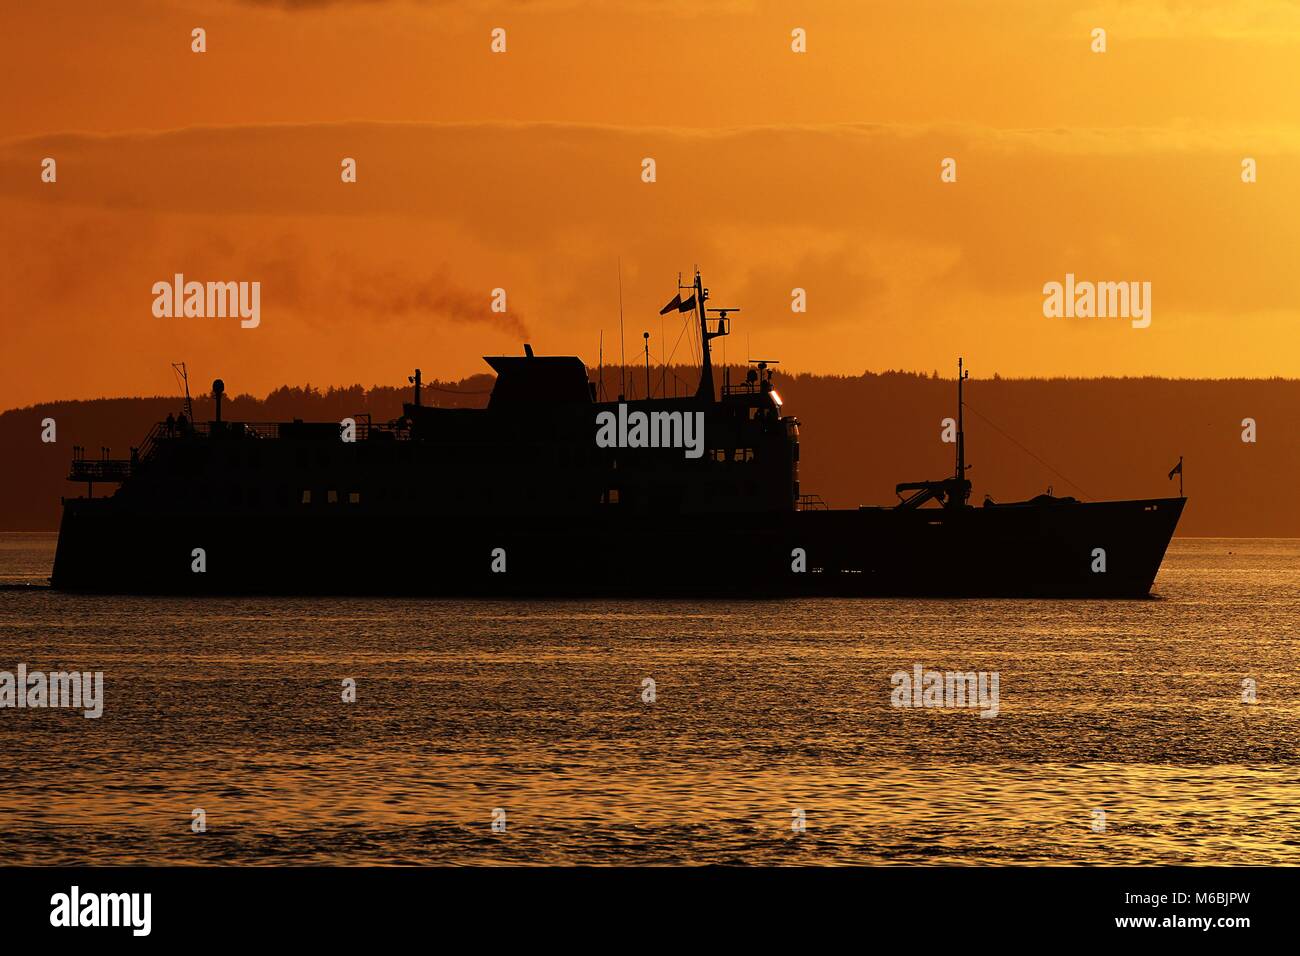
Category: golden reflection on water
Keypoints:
(761, 709)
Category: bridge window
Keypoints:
(306, 496)
(332, 497)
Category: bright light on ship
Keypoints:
(776, 398)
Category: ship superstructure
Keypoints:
(527, 496)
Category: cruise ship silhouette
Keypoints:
(532, 496)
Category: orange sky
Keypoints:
(522, 171)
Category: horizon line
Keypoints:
(928, 376)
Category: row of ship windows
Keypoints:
(733, 454)
(332, 497)
(281, 497)
(323, 458)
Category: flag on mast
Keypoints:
(678, 304)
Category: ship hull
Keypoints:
(1056, 550)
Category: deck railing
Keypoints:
(118, 469)
(100, 469)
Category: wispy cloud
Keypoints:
(897, 266)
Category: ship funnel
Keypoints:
(218, 389)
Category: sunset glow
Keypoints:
(522, 171)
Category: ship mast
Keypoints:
(179, 368)
(961, 429)
(706, 366)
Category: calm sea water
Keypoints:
(762, 708)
